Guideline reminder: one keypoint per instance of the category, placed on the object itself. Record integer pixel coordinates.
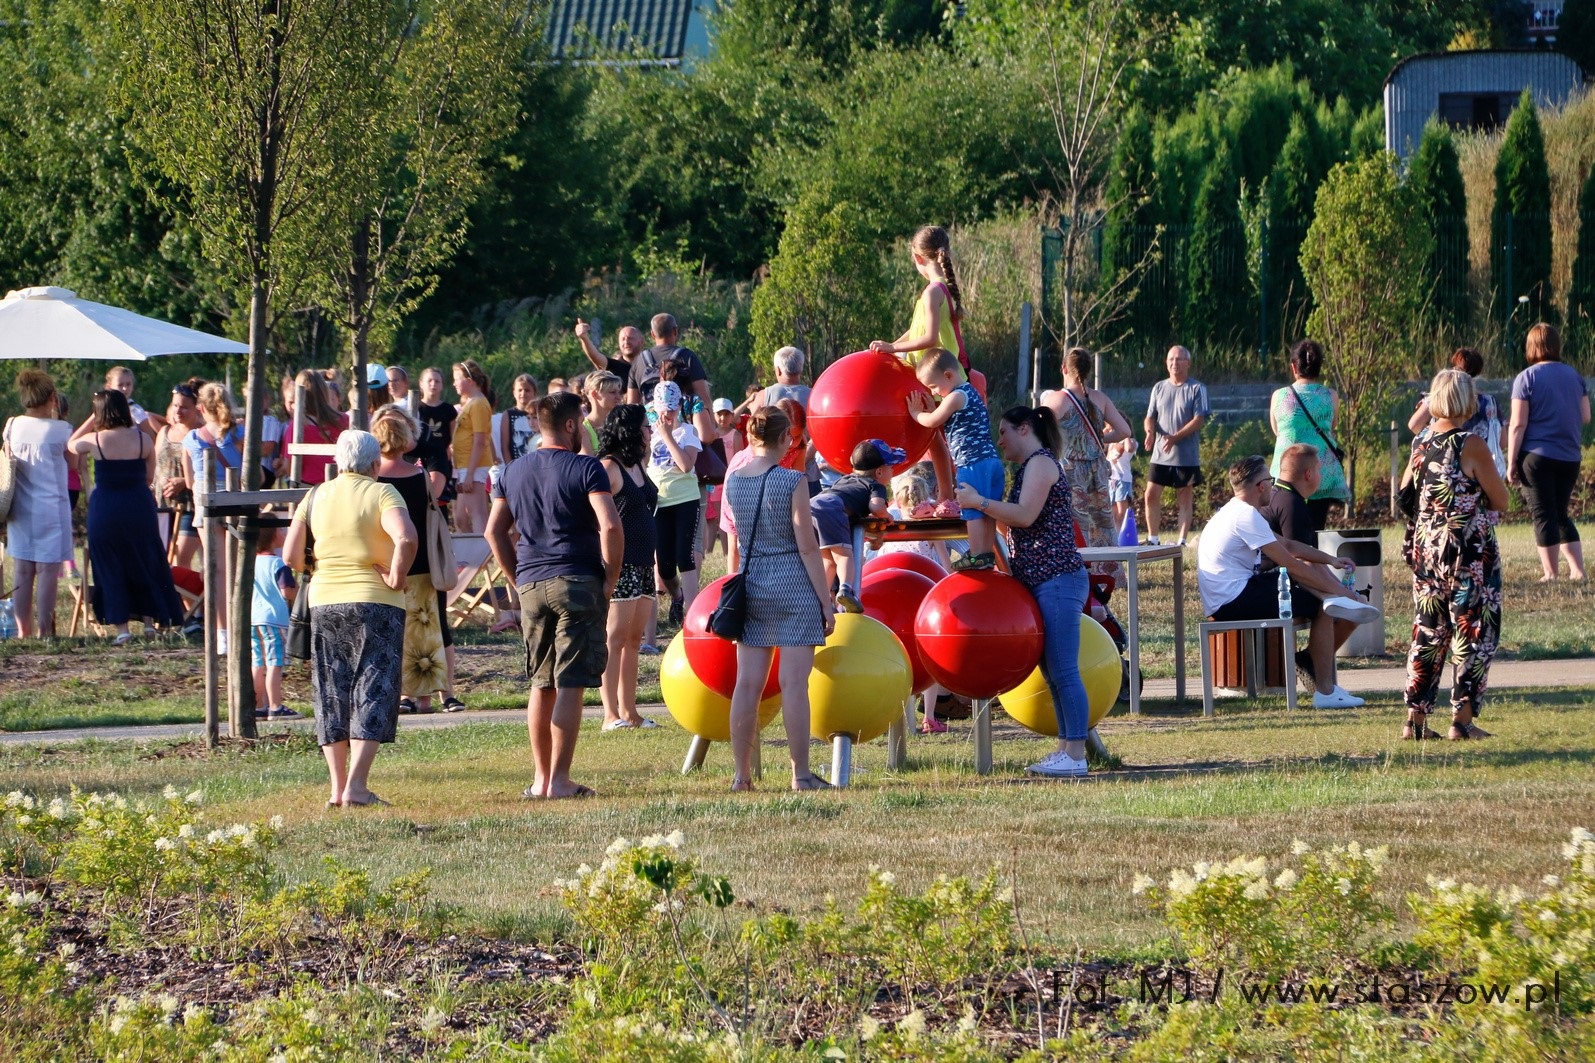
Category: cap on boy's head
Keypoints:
(874, 453)
(723, 406)
(376, 375)
(667, 396)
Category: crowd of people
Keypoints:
(601, 493)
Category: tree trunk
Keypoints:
(240, 683)
(360, 324)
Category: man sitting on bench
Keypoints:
(1233, 587)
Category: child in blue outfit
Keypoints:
(840, 508)
(268, 619)
(962, 416)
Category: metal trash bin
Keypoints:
(1366, 550)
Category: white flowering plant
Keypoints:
(1544, 937)
(1308, 913)
(934, 942)
(136, 856)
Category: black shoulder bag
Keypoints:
(730, 617)
(299, 616)
(1334, 448)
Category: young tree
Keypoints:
(1218, 307)
(445, 93)
(1581, 293)
(250, 106)
(1364, 259)
(828, 290)
(1520, 224)
(1435, 176)
(1088, 49)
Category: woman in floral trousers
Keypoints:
(1456, 563)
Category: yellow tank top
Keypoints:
(946, 335)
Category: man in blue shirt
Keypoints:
(565, 565)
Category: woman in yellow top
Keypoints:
(473, 450)
(937, 313)
(363, 545)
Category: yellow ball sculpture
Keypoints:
(697, 708)
(1030, 703)
(861, 679)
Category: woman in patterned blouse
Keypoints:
(1040, 519)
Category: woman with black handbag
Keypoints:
(1305, 412)
(788, 604)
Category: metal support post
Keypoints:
(983, 736)
(697, 749)
(841, 760)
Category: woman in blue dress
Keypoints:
(129, 574)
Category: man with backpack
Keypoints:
(692, 377)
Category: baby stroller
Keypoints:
(1098, 594)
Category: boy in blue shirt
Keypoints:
(962, 417)
(840, 508)
(268, 618)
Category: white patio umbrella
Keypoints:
(55, 323)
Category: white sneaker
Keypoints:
(1338, 698)
(1059, 765)
(221, 643)
(1343, 608)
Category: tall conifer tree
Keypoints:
(1520, 224)
(1435, 177)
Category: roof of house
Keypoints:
(579, 29)
(1531, 57)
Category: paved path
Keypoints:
(1504, 675)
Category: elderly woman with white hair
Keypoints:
(363, 543)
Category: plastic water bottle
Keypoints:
(8, 620)
(1128, 532)
(1285, 611)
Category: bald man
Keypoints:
(1286, 510)
(1174, 418)
(629, 339)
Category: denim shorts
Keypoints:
(1120, 490)
(985, 476)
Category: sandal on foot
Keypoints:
(932, 726)
(741, 786)
(575, 795)
(1461, 732)
(408, 707)
(371, 800)
(1417, 729)
(811, 782)
(453, 704)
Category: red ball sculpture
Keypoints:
(865, 396)
(893, 596)
(979, 633)
(905, 560)
(712, 658)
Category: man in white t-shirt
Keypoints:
(1229, 560)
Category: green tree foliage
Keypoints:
(1520, 223)
(1218, 307)
(828, 289)
(447, 93)
(1581, 293)
(1259, 106)
(1435, 177)
(1131, 227)
(1575, 33)
(543, 218)
(1292, 191)
(1339, 47)
(1364, 258)
(71, 210)
(829, 32)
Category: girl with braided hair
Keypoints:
(937, 314)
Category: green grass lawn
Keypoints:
(1247, 782)
(86, 682)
